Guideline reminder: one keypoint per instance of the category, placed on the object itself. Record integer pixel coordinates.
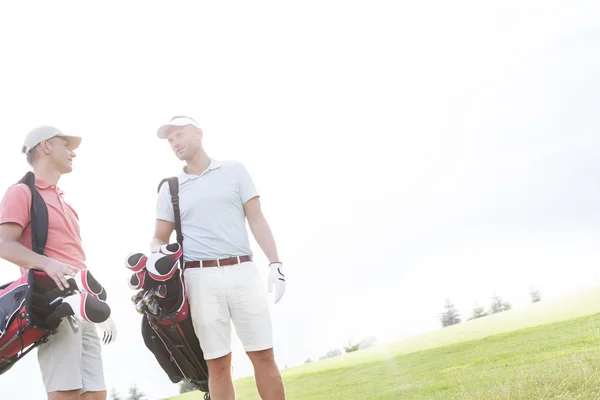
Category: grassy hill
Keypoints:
(548, 350)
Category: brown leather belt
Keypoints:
(223, 262)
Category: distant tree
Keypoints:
(186, 386)
(450, 316)
(498, 305)
(478, 312)
(308, 361)
(114, 395)
(535, 295)
(331, 354)
(135, 393)
(367, 342)
(351, 347)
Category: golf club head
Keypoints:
(161, 291)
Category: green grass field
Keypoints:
(549, 350)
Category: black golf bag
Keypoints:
(166, 325)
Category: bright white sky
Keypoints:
(405, 153)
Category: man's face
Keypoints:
(185, 141)
(60, 155)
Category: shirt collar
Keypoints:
(184, 177)
(42, 184)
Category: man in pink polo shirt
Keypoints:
(70, 363)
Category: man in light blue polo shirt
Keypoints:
(223, 284)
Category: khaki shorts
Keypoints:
(221, 295)
(71, 361)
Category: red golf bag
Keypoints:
(32, 307)
(24, 311)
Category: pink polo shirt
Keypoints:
(64, 239)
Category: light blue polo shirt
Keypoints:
(213, 221)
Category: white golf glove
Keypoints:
(276, 278)
(108, 331)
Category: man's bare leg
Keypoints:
(100, 395)
(268, 379)
(220, 383)
(64, 395)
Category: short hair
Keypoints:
(31, 156)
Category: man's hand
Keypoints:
(59, 272)
(14, 252)
(276, 278)
(108, 331)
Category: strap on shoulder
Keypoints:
(174, 191)
(39, 215)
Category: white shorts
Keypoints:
(219, 295)
(71, 361)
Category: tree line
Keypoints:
(352, 347)
(134, 394)
(451, 316)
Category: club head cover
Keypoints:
(137, 280)
(142, 280)
(172, 250)
(53, 319)
(161, 267)
(84, 281)
(103, 296)
(136, 262)
(86, 307)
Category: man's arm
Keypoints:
(162, 234)
(14, 252)
(260, 229)
(264, 237)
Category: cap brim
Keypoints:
(162, 131)
(179, 121)
(72, 141)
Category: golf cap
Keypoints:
(45, 132)
(177, 121)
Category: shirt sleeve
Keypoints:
(15, 206)
(164, 207)
(246, 185)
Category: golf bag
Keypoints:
(32, 307)
(166, 325)
(24, 309)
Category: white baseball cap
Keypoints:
(177, 121)
(45, 132)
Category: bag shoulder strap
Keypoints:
(174, 191)
(39, 215)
